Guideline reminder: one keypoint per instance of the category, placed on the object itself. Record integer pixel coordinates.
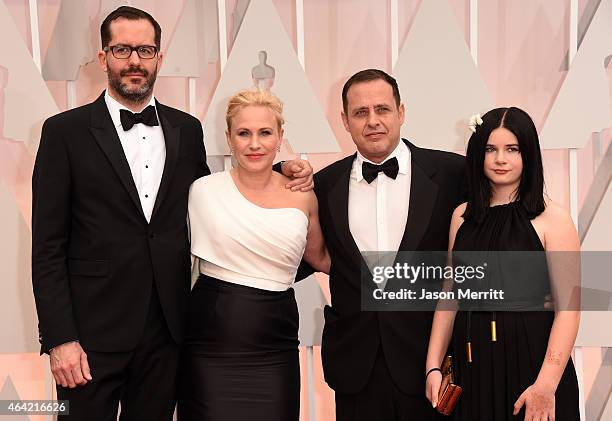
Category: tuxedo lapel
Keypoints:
(338, 196)
(423, 194)
(172, 138)
(105, 134)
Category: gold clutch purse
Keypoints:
(449, 391)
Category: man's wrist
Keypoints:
(65, 343)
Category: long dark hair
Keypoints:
(530, 191)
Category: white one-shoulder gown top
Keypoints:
(238, 241)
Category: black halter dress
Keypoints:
(501, 370)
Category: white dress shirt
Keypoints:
(145, 150)
(378, 211)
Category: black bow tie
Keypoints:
(370, 171)
(146, 116)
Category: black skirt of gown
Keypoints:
(500, 371)
(240, 360)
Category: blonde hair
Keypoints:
(259, 98)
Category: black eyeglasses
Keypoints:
(123, 52)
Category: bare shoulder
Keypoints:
(298, 198)
(308, 199)
(558, 228)
(459, 211)
(280, 178)
(457, 218)
(456, 221)
(555, 214)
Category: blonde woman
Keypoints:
(249, 233)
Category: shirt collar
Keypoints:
(401, 152)
(114, 108)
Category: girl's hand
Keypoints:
(432, 387)
(539, 401)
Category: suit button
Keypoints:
(151, 235)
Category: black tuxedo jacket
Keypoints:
(95, 258)
(352, 337)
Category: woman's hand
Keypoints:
(432, 387)
(539, 401)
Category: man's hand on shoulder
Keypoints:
(301, 174)
(69, 365)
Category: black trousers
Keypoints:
(381, 400)
(142, 380)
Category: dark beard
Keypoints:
(135, 96)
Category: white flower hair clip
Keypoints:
(475, 121)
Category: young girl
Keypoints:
(511, 364)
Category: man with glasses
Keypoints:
(110, 250)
